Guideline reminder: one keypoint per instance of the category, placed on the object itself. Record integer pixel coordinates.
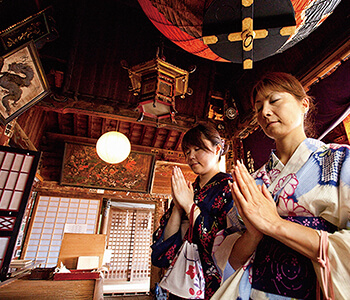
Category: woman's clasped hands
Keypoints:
(182, 190)
(254, 203)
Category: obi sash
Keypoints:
(278, 269)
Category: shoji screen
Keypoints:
(17, 172)
(54, 215)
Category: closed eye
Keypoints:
(274, 100)
(188, 152)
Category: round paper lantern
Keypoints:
(190, 24)
(113, 147)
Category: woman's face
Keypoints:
(280, 114)
(201, 160)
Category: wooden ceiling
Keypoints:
(74, 125)
(94, 97)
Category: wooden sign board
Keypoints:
(81, 244)
(162, 176)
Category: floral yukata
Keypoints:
(214, 200)
(312, 189)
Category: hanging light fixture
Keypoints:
(157, 83)
(113, 147)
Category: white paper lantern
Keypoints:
(113, 147)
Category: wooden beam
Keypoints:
(346, 123)
(104, 126)
(85, 140)
(131, 129)
(179, 140)
(155, 137)
(325, 65)
(118, 125)
(21, 139)
(183, 122)
(142, 134)
(167, 139)
(53, 188)
(75, 124)
(89, 125)
(60, 119)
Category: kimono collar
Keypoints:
(196, 186)
(297, 160)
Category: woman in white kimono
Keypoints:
(295, 208)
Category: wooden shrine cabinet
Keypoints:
(22, 288)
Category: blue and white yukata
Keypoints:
(312, 189)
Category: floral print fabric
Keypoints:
(314, 184)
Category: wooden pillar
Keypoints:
(6, 132)
(346, 123)
(105, 215)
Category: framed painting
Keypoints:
(82, 167)
(22, 81)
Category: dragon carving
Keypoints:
(13, 80)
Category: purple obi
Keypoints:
(280, 270)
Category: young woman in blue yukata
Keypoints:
(211, 196)
(296, 208)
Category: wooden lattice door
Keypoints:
(17, 173)
(129, 239)
(141, 262)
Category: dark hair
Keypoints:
(195, 136)
(284, 82)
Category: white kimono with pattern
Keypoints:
(315, 182)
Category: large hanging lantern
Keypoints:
(157, 83)
(113, 147)
(237, 30)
